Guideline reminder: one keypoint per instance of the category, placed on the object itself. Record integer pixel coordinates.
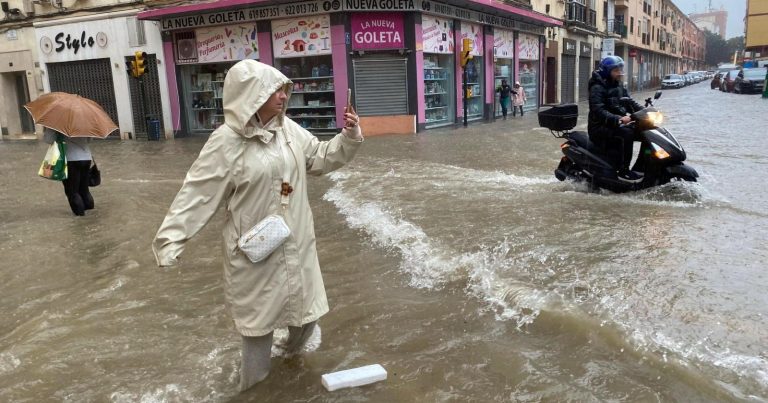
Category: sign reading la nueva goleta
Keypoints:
(377, 31)
(306, 8)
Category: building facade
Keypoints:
(82, 48)
(400, 58)
(712, 20)
(653, 37)
(756, 30)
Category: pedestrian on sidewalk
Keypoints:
(256, 166)
(504, 91)
(518, 98)
(78, 170)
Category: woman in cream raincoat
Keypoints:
(242, 167)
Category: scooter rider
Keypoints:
(608, 114)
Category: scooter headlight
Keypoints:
(659, 152)
(657, 118)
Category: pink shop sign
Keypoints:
(377, 31)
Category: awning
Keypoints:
(490, 10)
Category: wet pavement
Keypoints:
(453, 258)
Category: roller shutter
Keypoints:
(381, 86)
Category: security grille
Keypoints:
(153, 107)
(568, 74)
(585, 72)
(381, 86)
(90, 79)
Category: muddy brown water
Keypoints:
(453, 258)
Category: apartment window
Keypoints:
(631, 25)
(605, 10)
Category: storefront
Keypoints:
(87, 56)
(529, 66)
(303, 52)
(380, 71)
(203, 57)
(438, 71)
(568, 70)
(503, 63)
(585, 69)
(475, 70)
(399, 58)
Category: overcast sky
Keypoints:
(736, 12)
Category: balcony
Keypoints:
(616, 27)
(578, 15)
(621, 4)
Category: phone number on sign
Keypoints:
(301, 9)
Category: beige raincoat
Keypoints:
(242, 166)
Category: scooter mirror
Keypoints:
(657, 95)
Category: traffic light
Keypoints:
(139, 57)
(466, 51)
(130, 67)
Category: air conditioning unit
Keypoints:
(187, 49)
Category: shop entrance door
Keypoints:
(22, 97)
(381, 85)
(551, 80)
(585, 72)
(90, 79)
(568, 74)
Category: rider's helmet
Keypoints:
(609, 63)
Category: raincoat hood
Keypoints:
(247, 87)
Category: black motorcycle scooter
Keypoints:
(660, 160)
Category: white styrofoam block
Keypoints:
(354, 377)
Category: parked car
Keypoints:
(726, 84)
(749, 81)
(672, 81)
(715, 83)
(688, 78)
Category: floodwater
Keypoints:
(453, 258)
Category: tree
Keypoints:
(718, 50)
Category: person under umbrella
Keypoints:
(72, 119)
(78, 170)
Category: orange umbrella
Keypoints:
(71, 115)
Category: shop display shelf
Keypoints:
(475, 96)
(435, 79)
(199, 91)
(204, 109)
(503, 77)
(310, 78)
(436, 107)
(434, 68)
(435, 93)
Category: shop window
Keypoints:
(438, 89)
(312, 104)
(203, 89)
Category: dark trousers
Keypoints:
(76, 186)
(514, 110)
(504, 102)
(617, 144)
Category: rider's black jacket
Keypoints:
(605, 109)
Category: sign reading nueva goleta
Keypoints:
(329, 6)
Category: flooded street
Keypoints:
(453, 258)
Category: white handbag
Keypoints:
(266, 236)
